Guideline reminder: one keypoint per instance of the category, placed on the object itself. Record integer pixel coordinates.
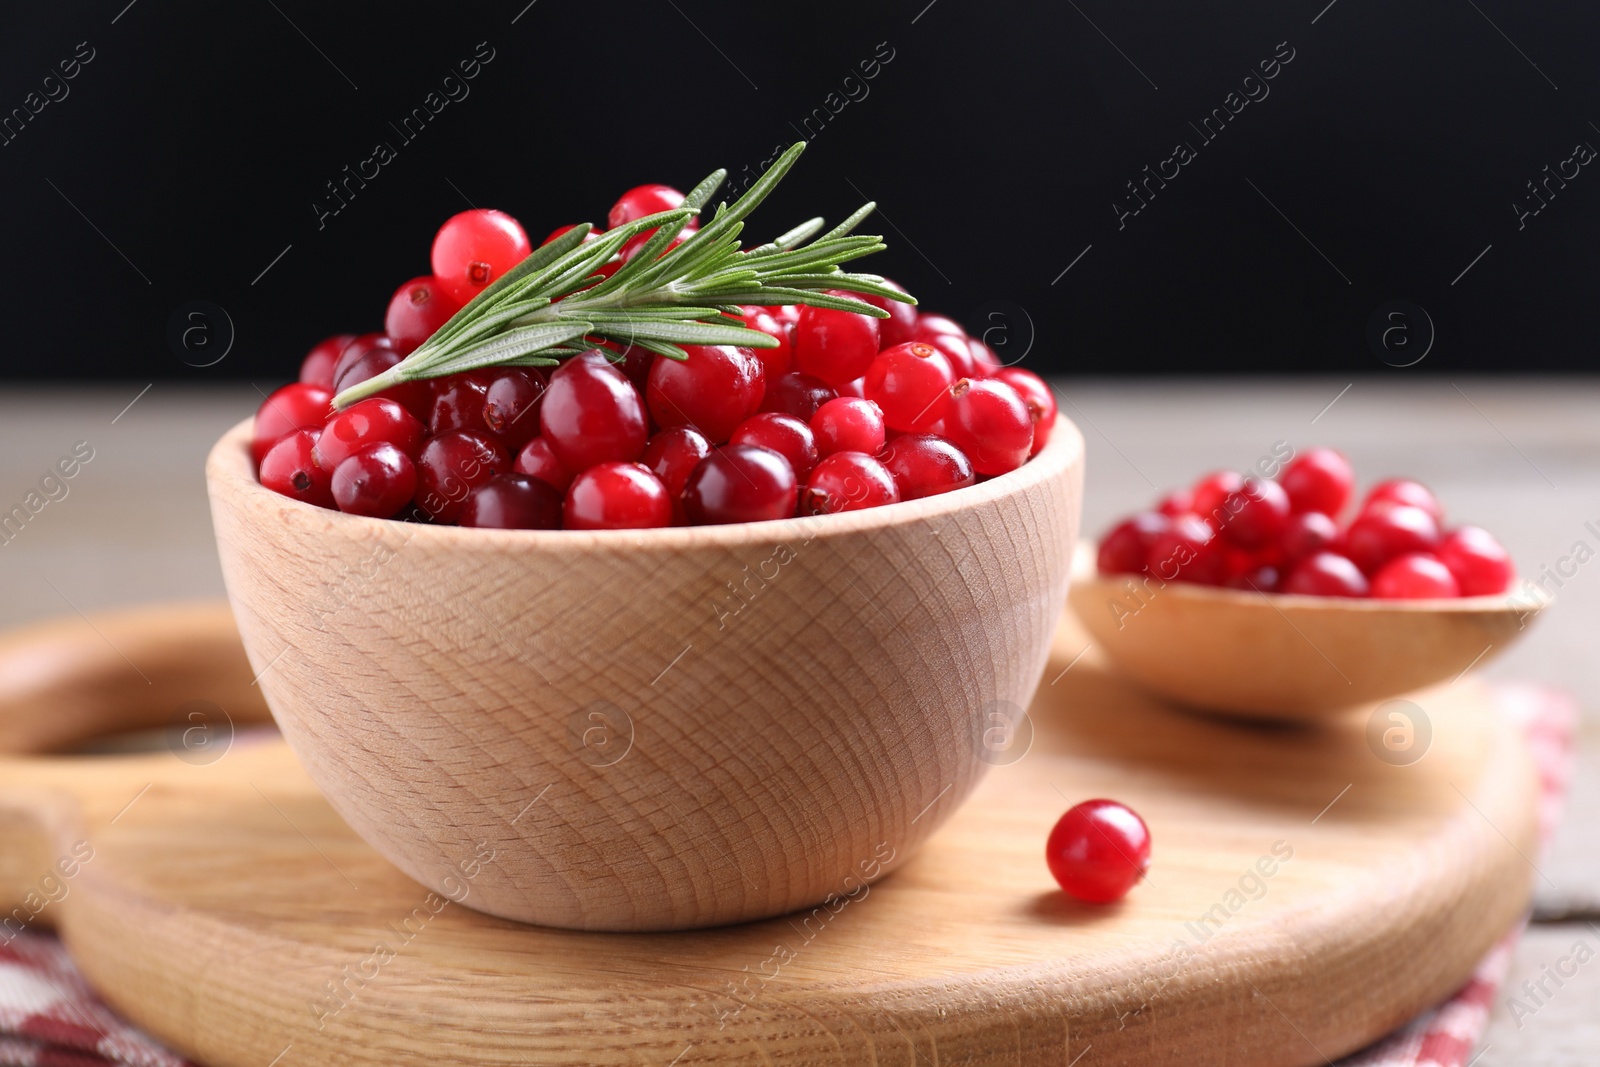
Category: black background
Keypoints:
(1387, 156)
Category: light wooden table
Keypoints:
(1521, 457)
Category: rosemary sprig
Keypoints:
(554, 304)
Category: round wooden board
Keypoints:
(1305, 898)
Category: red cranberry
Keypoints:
(985, 364)
(949, 338)
(361, 425)
(643, 200)
(417, 397)
(294, 407)
(458, 403)
(1211, 494)
(513, 502)
(1258, 578)
(591, 414)
(317, 368)
(714, 390)
(617, 496)
(1381, 534)
(1098, 851)
(925, 465)
(289, 469)
(358, 347)
(559, 230)
(774, 361)
(1126, 549)
(1326, 574)
(1319, 480)
(848, 424)
(1256, 514)
(511, 405)
(635, 366)
(785, 435)
(797, 394)
(1187, 551)
(1039, 397)
(1481, 566)
(847, 481)
(901, 325)
(474, 248)
(835, 346)
(416, 311)
(1415, 576)
(740, 483)
(1178, 502)
(450, 467)
(929, 326)
(911, 384)
(377, 481)
(672, 454)
(989, 422)
(1406, 492)
(1308, 532)
(537, 461)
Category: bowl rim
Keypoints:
(230, 472)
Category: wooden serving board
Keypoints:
(1305, 896)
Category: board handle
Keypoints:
(72, 680)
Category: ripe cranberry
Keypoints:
(1260, 578)
(901, 325)
(643, 200)
(985, 364)
(672, 454)
(922, 464)
(1326, 574)
(635, 366)
(856, 387)
(989, 422)
(1126, 549)
(458, 403)
(929, 326)
(1256, 514)
(358, 347)
(417, 397)
(360, 426)
(1481, 566)
(1390, 530)
(1407, 492)
(559, 230)
(1415, 576)
(289, 469)
(774, 361)
(785, 435)
(911, 384)
(848, 424)
(377, 481)
(847, 481)
(714, 390)
(1039, 397)
(513, 502)
(474, 248)
(537, 461)
(1211, 494)
(416, 311)
(592, 414)
(1098, 851)
(1178, 502)
(740, 483)
(511, 405)
(1307, 532)
(296, 406)
(317, 367)
(835, 346)
(948, 337)
(617, 496)
(1188, 550)
(1318, 480)
(450, 467)
(797, 394)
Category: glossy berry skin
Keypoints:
(592, 414)
(537, 461)
(672, 454)
(377, 481)
(797, 394)
(1318, 479)
(1210, 494)
(948, 337)
(635, 366)
(835, 346)
(774, 361)
(856, 388)
(643, 200)
(1415, 576)
(1383, 533)
(318, 366)
(1480, 564)
(740, 483)
(450, 466)
(785, 435)
(925, 465)
(1306, 533)
(1126, 548)
(989, 422)
(416, 397)
(358, 347)
(474, 248)
(1098, 851)
(458, 403)
(616, 496)
(1407, 492)
(847, 481)
(362, 425)
(1039, 398)
(511, 402)
(901, 325)
(848, 424)
(1257, 579)
(290, 470)
(985, 364)
(513, 502)
(296, 406)
(1325, 574)
(1187, 550)
(417, 309)
(715, 389)
(910, 383)
(1178, 502)
(1256, 514)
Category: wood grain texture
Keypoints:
(728, 718)
(1283, 657)
(1305, 897)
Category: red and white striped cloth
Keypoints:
(50, 1018)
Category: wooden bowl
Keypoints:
(658, 729)
(1279, 656)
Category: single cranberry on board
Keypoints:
(617, 496)
(785, 435)
(296, 406)
(1098, 851)
(290, 468)
(714, 389)
(848, 424)
(847, 481)
(835, 346)
(910, 383)
(592, 414)
(923, 464)
(513, 502)
(740, 483)
(377, 481)
(988, 421)
(1480, 564)
(474, 248)
(1318, 480)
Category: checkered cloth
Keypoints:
(50, 1018)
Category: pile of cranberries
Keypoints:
(1284, 536)
(847, 412)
